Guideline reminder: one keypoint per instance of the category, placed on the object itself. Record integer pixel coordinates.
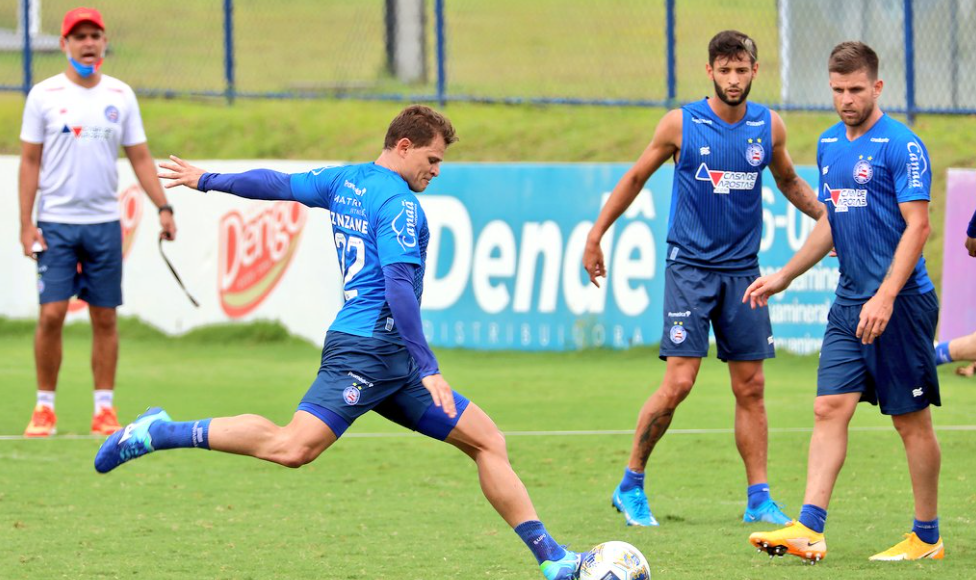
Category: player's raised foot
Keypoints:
(566, 568)
(105, 421)
(768, 511)
(795, 539)
(911, 548)
(129, 443)
(43, 423)
(633, 504)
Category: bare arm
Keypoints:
(818, 243)
(145, 170)
(877, 311)
(665, 143)
(28, 178)
(795, 189)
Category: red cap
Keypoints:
(77, 16)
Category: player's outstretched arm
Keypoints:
(663, 146)
(818, 243)
(264, 184)
(794, 188)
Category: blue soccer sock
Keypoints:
(631, 480)
(942, 353)
(758, 494)
(173, 435)
(928, 532)
(543, 547)
(813, 517)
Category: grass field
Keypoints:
(401, 506)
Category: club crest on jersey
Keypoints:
(678, 333)
(725, 181)
(863, 172)
(846, 198)
(351, 395)
(755, 153)
(112, 113)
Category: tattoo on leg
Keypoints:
(656, 428)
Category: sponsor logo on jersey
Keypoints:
(825, 169)
(917, 164)
(351, 395)
(352, 186)
(112, 113)
(755, 153)
(254, 253)
(879, 139)
(863, 171)
(846, 198)
(829, 140)
(755, 123)
(82, 133)
(706, 150)
(678, 333)
(406, 231)
(684, 314)
(725, 181)
(701, 121)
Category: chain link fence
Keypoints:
(641, 52)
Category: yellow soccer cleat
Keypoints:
(911, 548)
(105, 421)
(795, 539)
(43, 422)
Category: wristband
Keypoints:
(166, 207)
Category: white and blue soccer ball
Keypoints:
(614, 561)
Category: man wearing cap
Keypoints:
(73, 126)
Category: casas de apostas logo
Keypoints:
(254, 254)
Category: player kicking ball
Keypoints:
(876, 181)
(375, 356)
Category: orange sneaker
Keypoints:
(43, 422)
(105, 422)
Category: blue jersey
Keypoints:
(716, 201)
(376, 221)
(861, 183)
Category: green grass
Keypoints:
(407, 507)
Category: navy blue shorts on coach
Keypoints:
(360, 374)
(83, 260)
(897, 371)
(695, 298)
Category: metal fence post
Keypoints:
(669, 34)
(441, 64)
(229, 89)
(28, 81)
(909, 62)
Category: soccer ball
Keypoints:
(614, 561)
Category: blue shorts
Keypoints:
(897, 371)
(83, 260)
(361, 374)
(695, 298)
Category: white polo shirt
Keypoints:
(81, 130)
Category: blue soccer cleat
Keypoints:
(129, 443)
(566, 568)
(768, 511)
(633, 504)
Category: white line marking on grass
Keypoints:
(880, 428)
(537, 433)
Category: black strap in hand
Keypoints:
(175, 275)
